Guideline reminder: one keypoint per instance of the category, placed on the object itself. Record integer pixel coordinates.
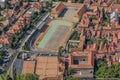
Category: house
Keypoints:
(82, 64)
(80, 12)
(29, 14)
(5, 40)
(37, 6)
(84, 23)
(116, 58)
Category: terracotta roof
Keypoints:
(27, 15)
(110, 10)
(104, 4)
(116, 6)
(88, 64)
(5, 40)
(37, 5)
(9, 13)
(11, 31)
(77, 14)
(94, 8)
(57, 9)
(73, 4)
(28, 67)
(21, 18)
(115, 40)
(16, 27)
(84, 23)
(100, 56)
(86, 1)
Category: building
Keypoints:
(57, 10)
(29, 14)
(80, 9)
(82, 64)
(2, 3)
(114, 16)
(37, 6)
(87, 2)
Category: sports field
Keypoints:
(56, 33)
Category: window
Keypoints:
(75, 62)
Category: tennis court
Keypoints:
(53, 37)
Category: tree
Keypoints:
(80, 1)
(7, 5)
(31, 77)
(20, 3)
(60, 51)
(71, 78)
(27, 76)
(25, 47)
(1, 54)
(103, 71)
(6, 77)
(70, 71)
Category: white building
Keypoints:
(2, 3)
(114, 16)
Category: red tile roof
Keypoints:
(37, 5)
(5, 40)
(90, 60)
(84, 23)
(58, 8)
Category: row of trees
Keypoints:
(1, 54)
(26, 77)
(21, 77)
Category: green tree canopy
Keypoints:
(103, 71)
(26, 77)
